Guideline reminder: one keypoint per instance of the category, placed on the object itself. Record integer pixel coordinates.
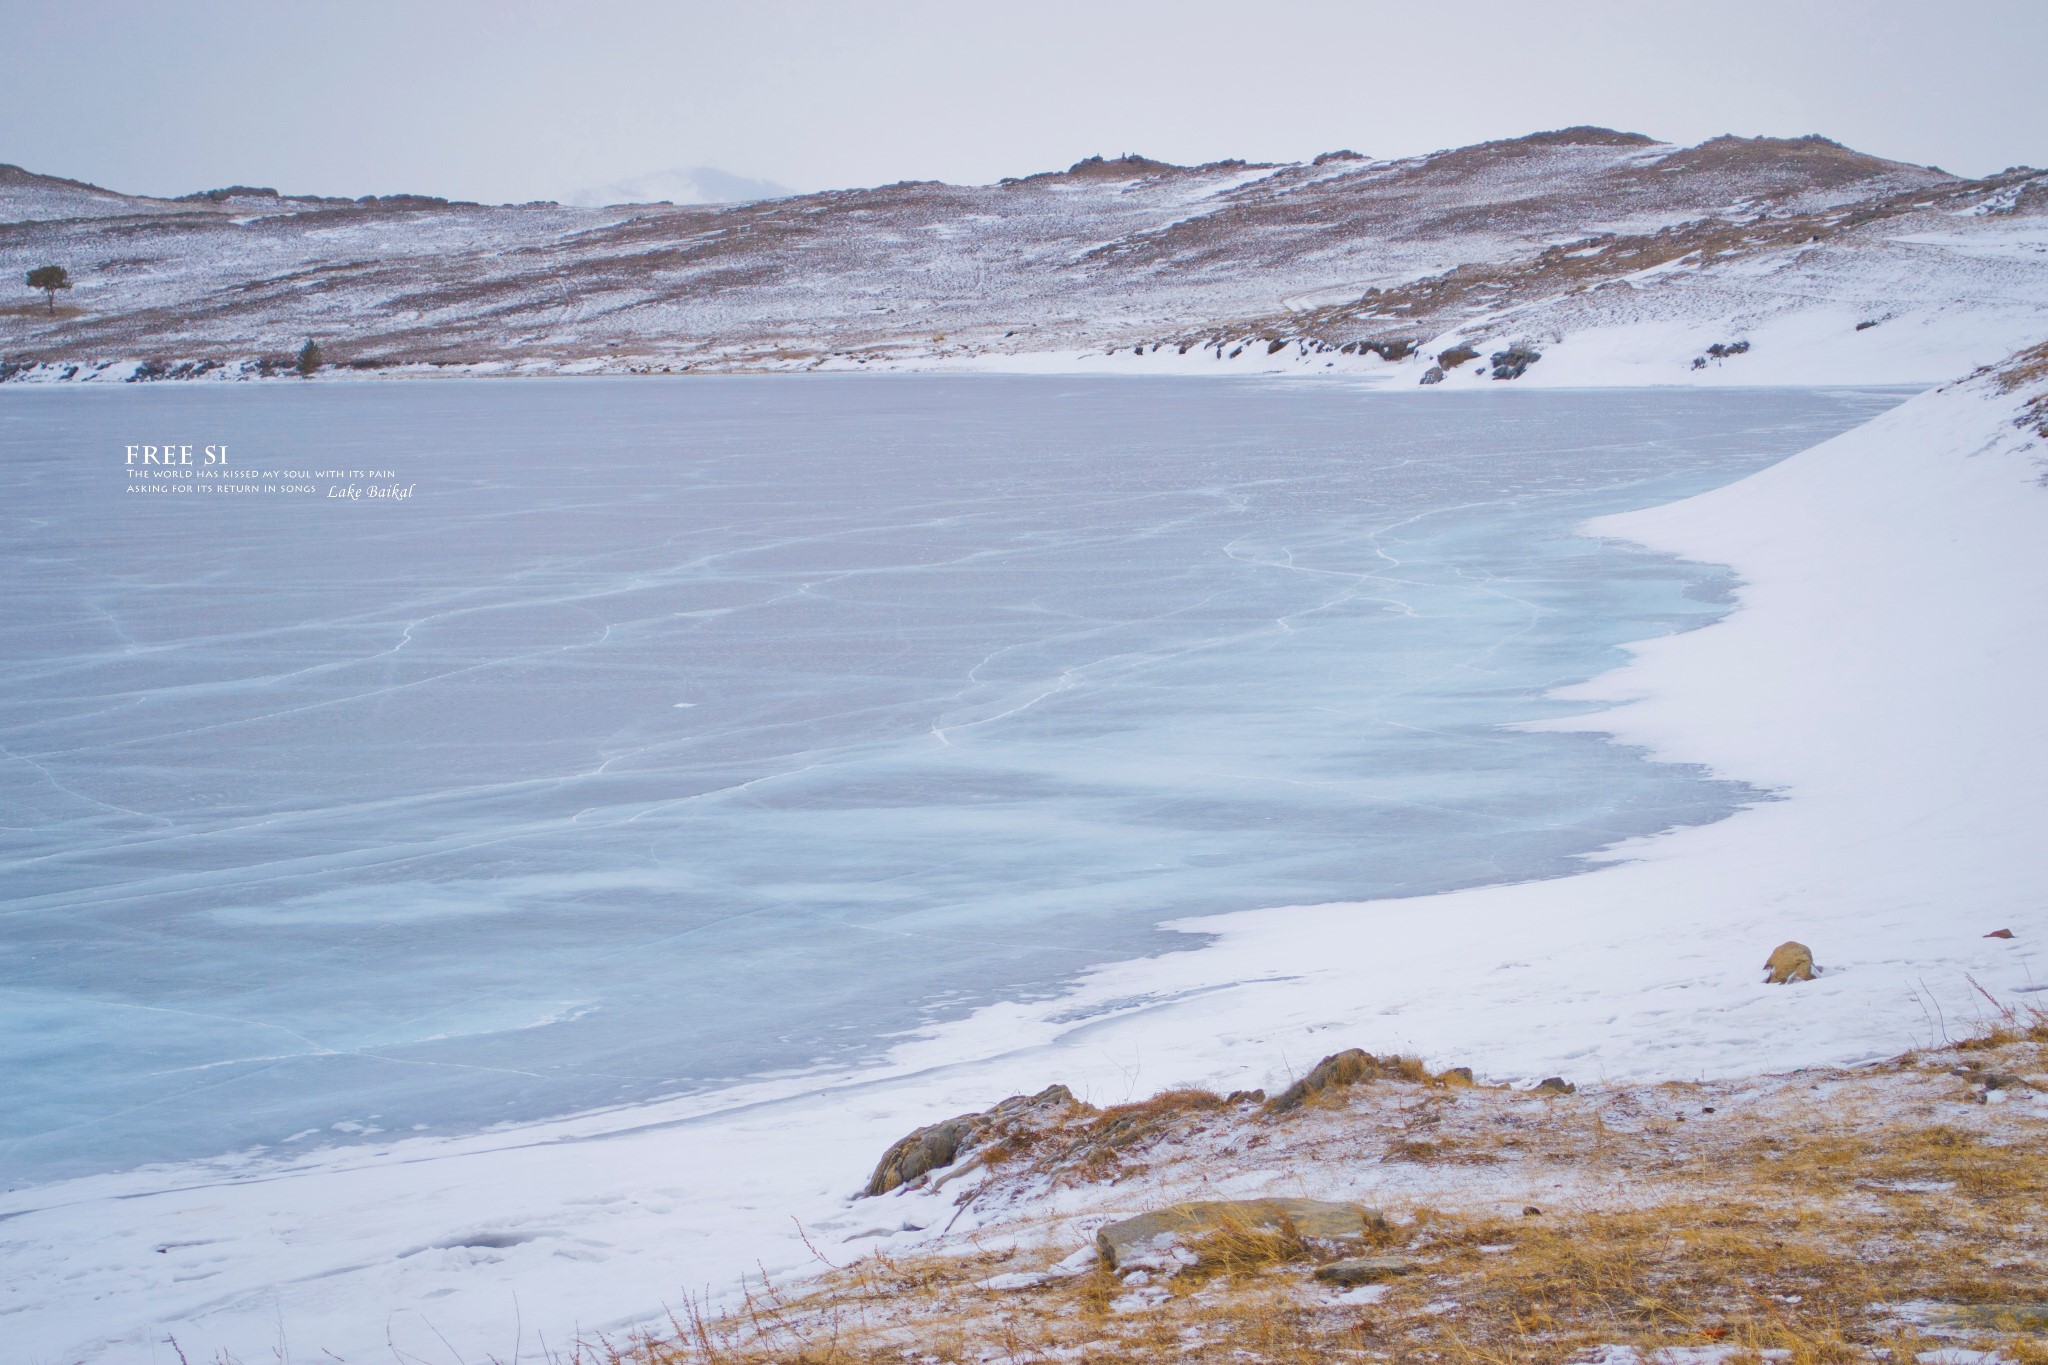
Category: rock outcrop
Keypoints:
(1357, 1270)
(1352, 1066)
(922, 1152)
(936, 1146)
(1514, 362)
(1155, 1237)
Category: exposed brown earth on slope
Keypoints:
(1107, 255)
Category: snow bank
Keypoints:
(1882, 676)
(1809, 346)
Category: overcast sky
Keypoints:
(514, 101)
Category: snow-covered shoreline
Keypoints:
(1795, 344)
(1881, 675)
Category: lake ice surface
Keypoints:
(677, 731)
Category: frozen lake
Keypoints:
(675, 731)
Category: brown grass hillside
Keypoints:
(1875, 1213)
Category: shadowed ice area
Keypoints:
(676, 731)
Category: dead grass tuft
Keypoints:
(2028, 367)
(1240, 1246)
(1348, 1068)
(1792, 1215)
(1101, 1146)
(2007, 1024)
(1439, 1152)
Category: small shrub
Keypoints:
(49, 279)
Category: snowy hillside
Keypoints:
(1906, 853)
(1615, 257)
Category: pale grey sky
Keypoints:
(512, 100)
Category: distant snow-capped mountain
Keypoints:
(683, 185)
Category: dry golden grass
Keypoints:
(41, 310)
(1240, 1246)
(1096, 1146)
(2029, 369)
(1797, 1221)
(2025, 368)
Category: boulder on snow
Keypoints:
(1157, 1234)
(1790, 962)
(921, 1152)
(1555, 1085)
(1433, 375)
(941, 1144)
(1514, 362)
(1348, 1067)
(1356, 1270)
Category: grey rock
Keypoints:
(1514, 362)
(1357, 1270)
(922, 1152)
(1348, 1067)
(1157, 1234)
(939, 1145)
